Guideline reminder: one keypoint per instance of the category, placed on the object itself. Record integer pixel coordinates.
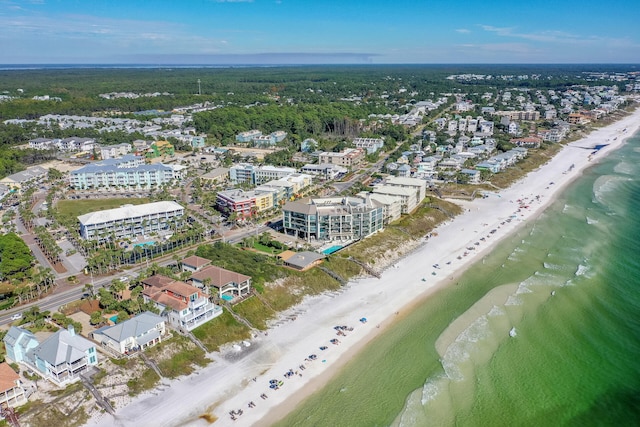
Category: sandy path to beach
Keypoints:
(240, 377)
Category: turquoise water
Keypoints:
(571, 282)
(331, 250)
(114, 319)
(143, 244)
(227, 297)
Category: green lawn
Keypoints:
(73, 208)
(221, 330)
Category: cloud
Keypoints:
(555, 36)
(463, 31)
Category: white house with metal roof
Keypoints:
(131, 220)
(138, 333)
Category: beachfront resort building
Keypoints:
(129, 172)
(136, 334)
(130, 221)
(185, 306)
(328, 219)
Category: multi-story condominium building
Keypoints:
(419, 184)
(61, 358)
(266, 173)
(391, 205)
(324, 170)
(244, 203)
(114, 151)
(348, 157)
(248, 136)
(263, 140)
(184, 305)
(520, 115)
(408, 195)
(286, 188)
(246, 173)
(331, 219)
(242, 173)
(108, 176)
(130, 221)
(371, 145)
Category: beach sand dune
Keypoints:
(231, 384)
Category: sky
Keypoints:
(212, 32)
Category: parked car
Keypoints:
(16, 316)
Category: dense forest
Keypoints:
(78, 88)
(15, 258)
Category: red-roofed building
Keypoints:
(11, 391)
(228, 284)
(185, 306)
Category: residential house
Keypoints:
(11, 392)
(472, 174)
(18, 342)
(301, 261)
(185, 306)
(325, 171)
(136, 334)
(248, 136)
(227, 284)
(527, 142)
(194, 263)
(63, 357)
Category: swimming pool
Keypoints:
(332, 249)
(114, 319)
(150, 243)
(227, 297)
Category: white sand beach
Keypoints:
(238, 377)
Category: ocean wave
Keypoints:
(513, 300)
(551, 266)
(460, 350)
(496, 311)
(625, 168)
(582, 270)
(431, 389)
(592, 221)
(604, 185)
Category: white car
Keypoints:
(16, 316)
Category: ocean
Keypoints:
(556, 342)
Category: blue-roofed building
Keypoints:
(62, 357)
(18, 342)
(128, 171)
(138, 333)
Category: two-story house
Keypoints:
(185, 306)
(136, 334)
(63, 356)
(227, 284)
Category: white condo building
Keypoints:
(130, 220)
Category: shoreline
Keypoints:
(234, 380)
